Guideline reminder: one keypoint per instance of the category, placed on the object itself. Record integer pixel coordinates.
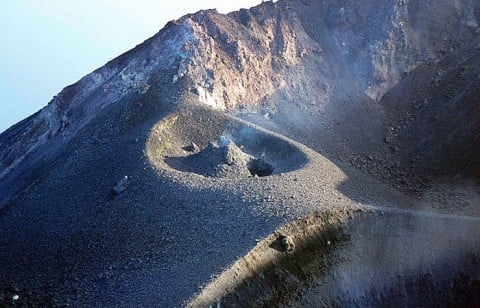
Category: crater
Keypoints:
(348, 258)
(212, 144)
(223, 159)
(259, 167)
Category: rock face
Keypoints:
(303, 65)
(345, 68)
(380, 98)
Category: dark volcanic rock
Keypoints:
(226, 160)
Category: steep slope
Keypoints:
(405, 260)
(305, 66)
(108, 198)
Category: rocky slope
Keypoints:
(354, 104)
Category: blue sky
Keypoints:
(49, 44)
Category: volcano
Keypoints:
(301, 152)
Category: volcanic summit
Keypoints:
(298, 153)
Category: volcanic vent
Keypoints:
(224, 159)
(239, 150)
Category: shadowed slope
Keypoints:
(355, 258)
